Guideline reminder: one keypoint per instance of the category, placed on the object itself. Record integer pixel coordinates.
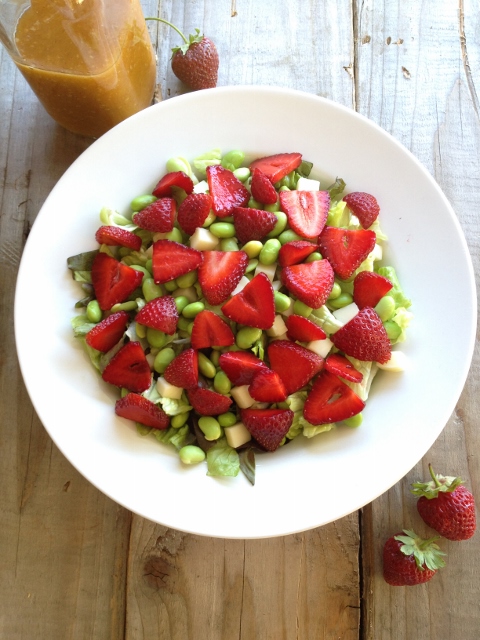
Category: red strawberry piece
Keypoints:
(172, 259)
(183, 370)
(306, 211)
(220, 273)
(252, 224)
(341, 366)
(447, 506)
(364, 337)
(129, 368)
(209, 330)
(254, 306)
(311, 282)
(346, 249)
(193, 211)
(157, 217)
(369, 287)
(331, 400)
(303, 329)
(295, 364)
(196, 62)
(207, 402)
(227, 192)
(262, 188)
(241, 366)
(294, 252)
(267, 386)
(277, 166)
(409, 560)
(116, 236)
(177, 179)
(139, 409)
(113, 281)
(160, 314)
(364, 206)
(108, 332)
(267, 426)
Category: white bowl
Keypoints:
(310, 482)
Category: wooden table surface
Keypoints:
(75, 565)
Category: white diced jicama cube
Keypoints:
(278, 328)
(307, 184)
(241, 285)
(397, 362)
(203, 240)
(377, 252)
(267, 269)
(150, 358)
(347, 313)
(320, 347)
(277, 285)
(167, 390)
(237, 435)
(201, 187)
(242, 397)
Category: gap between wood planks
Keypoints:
(466, 64)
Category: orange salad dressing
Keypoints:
(90, 62)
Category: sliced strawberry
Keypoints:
(364, 337)
(369, 287)
(116, 236)
(139, 409)
(108, 332)
(303, 329)
(157, 217)
(295, 364)
(267, 426)
(160, 314)
(113, 281)
(129, 368)
(226, 190)
(207, 402)
(171, 259)
(209, 330)
(220, 273)
(241, 366)
(341, 366)
(306, 211)
(346, 249)
(262, 188)
(252, 224)
(254, 306)
(267, 386)
(183, 370)
(173, 179)
(277, 166)
(294, 252)
(193, 211)
(364, 206)
(311, 282)
(330, 400)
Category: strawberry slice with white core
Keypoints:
(310, 282)
(346, 249)
(364, 337)
(113, 281)
(129, 368)
(306, 211)
(160, 314)
(331, 400)
(183, 370)
(172, 259)
(209, 330)
(226, 190)
(277, 166)
(254, 306)
(341, 366)
(105, 335)
(241, 366)
(118, 237)
(157, 217)
(207, 402)
(295, 364)
(139, 409)
(267, 426)
(177, 179)
(220, 273)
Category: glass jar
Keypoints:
(89, 62)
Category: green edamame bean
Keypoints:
(175, 235)
(385, 307)
(123, 252)
(183, 324)
(273, 208)
(288, 236)
(222, 229)
(180, 419)
(171, 285)
(130, 305)
(252, 265)
(233, 159)
(156, 338)
(140, 330)
(93, 312)
(149, 266)
(280, 225)
(252, 248)
(227, 419)
(163, 359)
(228, 244)
(221, 383)
(206, 366)
(314, 257)
(187, 280)
(269, 253)
(192, 309)
(301, 309)
(354, 421)
(242, 174)
(341, 301)
(151, 290)
(140, 202)
(335, 292)
(215, 356)
(191, 454)
(209, 219)
(181, 302)
(284, 188)
(282, 302)
(210, 428)
(124, 392)
(254, 204)
(393, 330)
(247, 336)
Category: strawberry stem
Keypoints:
(170, 25)
(434, 477)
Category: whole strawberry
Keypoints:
(409, 560)
(446, 506)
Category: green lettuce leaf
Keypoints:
(369, 370)
(338, 215)
(176, 437)
(402, 317)
(396, 292)
(209, 158)
(222, 460)
(112, 218)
